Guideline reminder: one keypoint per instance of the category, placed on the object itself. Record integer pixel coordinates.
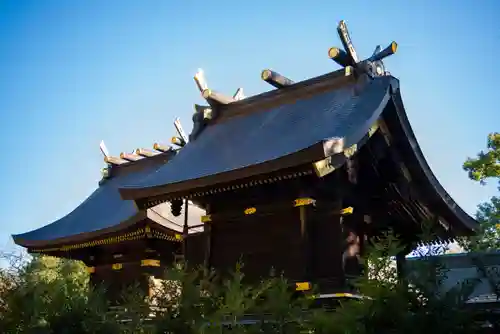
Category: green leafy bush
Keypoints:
(48, 295)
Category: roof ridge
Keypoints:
(222, 107)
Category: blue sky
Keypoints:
(75, 72)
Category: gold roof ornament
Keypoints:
(203, 114)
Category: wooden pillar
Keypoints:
(306, 206)
(400, 265)
(94, 282)
(353, 240)
(208, 245)
(338, 186)
(114, 279)
(326, 248)
(365, 235)
(185, 229)
(353, 221)
(208, 241)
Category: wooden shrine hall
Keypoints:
(294, 180)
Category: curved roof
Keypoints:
(267, 135)
(294, 132)
(104, 211)
(419, 168)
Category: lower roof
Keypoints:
(104, 211)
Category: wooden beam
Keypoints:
(352, 238)
(130, 157)
(162, 148)
(114, 160)
(208, 242)
(178, 141)
(208, 247)
(275, 207)
(199, 79)
(275, 79)
(388, 51)
(185, 228)
(400, 266)
(145, 152)
(306, 241)
(215, 98)
(340, 57)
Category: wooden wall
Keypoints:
(327, 245)
(260, 242)
(195, 249)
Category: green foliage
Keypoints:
(487, 163)
(198, 301)
(486, 166)
(488, 235)
(47, 295)
(415, 304)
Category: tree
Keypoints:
(45, 295)
(486, 166)
(415, 304)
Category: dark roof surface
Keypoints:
(263, 137)
(105, 211)
(267, 135)
(102, 209)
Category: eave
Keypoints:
(102, 213)
(137, 228)
(436, 196)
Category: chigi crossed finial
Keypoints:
(203, 114)
(372, 66)
(213, 97)
(347, 58)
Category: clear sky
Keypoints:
(75, 72)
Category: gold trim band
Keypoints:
(253, 183)
(138, 234)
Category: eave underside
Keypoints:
(430, 189)
(142, 230)
(159, 217)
